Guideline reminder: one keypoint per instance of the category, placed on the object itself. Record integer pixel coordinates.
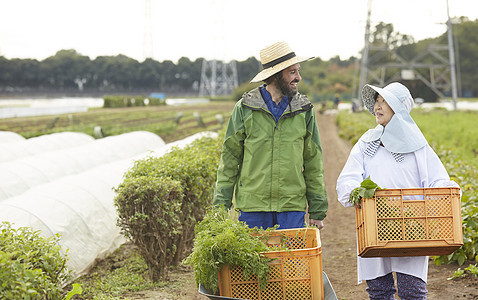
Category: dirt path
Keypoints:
(338, 237)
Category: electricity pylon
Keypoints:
(218, 77)
(434, 66)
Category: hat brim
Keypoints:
(266, 73)
(368, 95)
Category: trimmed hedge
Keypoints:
(31, 266)
(162, 198)
(148, 214)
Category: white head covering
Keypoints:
(401, 134)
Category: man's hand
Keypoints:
(317, 223)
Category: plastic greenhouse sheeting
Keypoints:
(80, 208)
(19, 175)
(49, 142)
(8, 136)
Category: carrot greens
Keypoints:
(221, 240)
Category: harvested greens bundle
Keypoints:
(365, 190)
(221, 240)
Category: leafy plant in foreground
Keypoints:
(458, 274)
(471, 269)
(221, 240)
(365, 190)
(31, 266)
(75, 290)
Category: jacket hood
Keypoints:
(298, 103)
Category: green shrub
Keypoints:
(148, 209)
(171, 194)
(31, 266)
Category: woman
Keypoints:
(395, 154)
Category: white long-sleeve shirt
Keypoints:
(419, 169)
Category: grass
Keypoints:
(468, 99)
(455, 131)
(122, 272)
(124, 275)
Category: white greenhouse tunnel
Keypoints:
(49, 142)
(19, 175)
(80, 207)
(8, 137)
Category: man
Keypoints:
(272, 158)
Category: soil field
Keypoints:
(338, 243)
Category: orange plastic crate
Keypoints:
(409, 222)
(295, 273)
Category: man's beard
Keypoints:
(284, 87)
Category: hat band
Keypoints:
(278, 60)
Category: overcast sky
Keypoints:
(221, 29)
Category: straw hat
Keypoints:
(396, 94)
(276, 58)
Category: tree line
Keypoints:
(70, 71)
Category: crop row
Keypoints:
(169, 122)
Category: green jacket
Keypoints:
(272, 166)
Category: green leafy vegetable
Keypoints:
(221, 240)
(365, 190)
(76, 290)
(473, 269)
(458, 274)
